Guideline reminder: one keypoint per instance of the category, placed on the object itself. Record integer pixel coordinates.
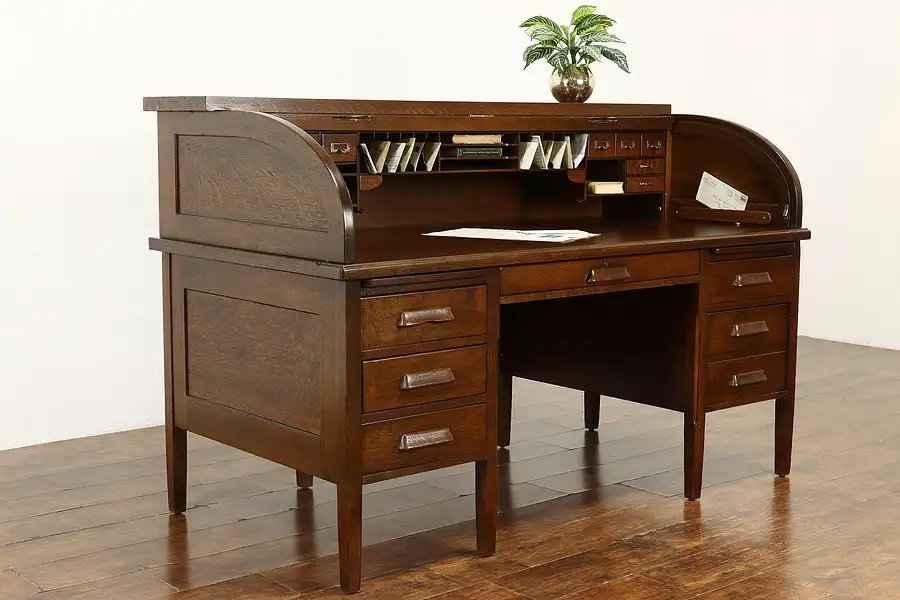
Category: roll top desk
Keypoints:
(309, 321)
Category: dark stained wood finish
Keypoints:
(421, 378)
(426, 316)
(308, 320)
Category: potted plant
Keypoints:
(570, 49)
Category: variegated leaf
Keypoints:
(581, 12)
(542, 22)
(536, 52)
(601, 36)
(593, 23)
(615, 55)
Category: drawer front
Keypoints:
(646, 166)
(754, 279)
(341, 147)
(749, 331)
(602, 145)
(646, 184)
(421, 317)
(584, 273)
(628, 144)
(420, 378)
(421, 439)
(653, 144)
(728, 382)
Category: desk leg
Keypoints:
(176, 467)
(349, 507)
(591, 411)
(784, 435)
(303, 480)
(486, 492)
(504, 409)
(694, 433)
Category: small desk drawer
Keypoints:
(422, 317)
(585, 273)
(646, 166)
(730, 382)
(426, 438)
(653, 144)
(753, 279)
(628, 144)
(748, 331)
(656, 183)
(341, 147)
(602, 145)
(420, 378)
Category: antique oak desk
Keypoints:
(309, 321)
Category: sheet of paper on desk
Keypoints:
(717, 194)
(522, 235)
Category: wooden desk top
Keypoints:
(405, 251)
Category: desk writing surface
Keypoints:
(405, 250)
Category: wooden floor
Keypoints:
(584, 515)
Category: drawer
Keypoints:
(628, 144)
(748, 331)
(341, 147)
(421, 439)
(647, 166)
(420, 378)
(653, 144)
(422, 317)
(729, 382)
(752, 279)
(581, 273)
(602, 145)
(656, 183)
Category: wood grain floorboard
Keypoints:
(583, 514)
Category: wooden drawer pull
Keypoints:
(605, 273)
(741, 379)
(411, 318)
(748, 279)
(423, 439)
(412, 381)
(749, 328)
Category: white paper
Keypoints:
(717, 194)
(579, 148)
(522, 235)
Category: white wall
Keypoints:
(80, 342)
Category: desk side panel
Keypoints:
(741, 158)
(253, 182)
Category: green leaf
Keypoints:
(614, 55)
(536, 52)
(559, 59)
(543, 23)
(593, 23)
(542, 34)
(581, 12)
(601, 36)
(591, 54)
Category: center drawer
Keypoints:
(420, 439)
(422, 317)
(427, 377)
(584, 273)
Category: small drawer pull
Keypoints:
(411, 318)
(643, 166)
(351, 117)
(605, 273)
(601, 145)
(414, 381)
(423, 439)
(626, 145)
(656, 146)
(603, 119)
(340, 147)
(748, 279)
(644, 183)
(749, 328)
(741, 379)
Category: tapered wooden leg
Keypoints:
(486, 492)
(303, 480)
(694, 433)
(784, 435)
(176, 467)
(504, 409)
(349, 507)
(591, 411)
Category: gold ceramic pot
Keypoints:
(575, 84)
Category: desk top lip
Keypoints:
(401, 107)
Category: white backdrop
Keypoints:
(81, 335)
